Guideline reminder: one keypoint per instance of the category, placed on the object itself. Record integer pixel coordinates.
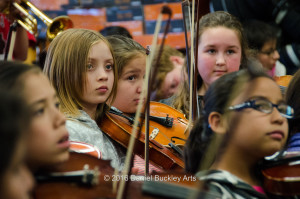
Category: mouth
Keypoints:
(277, 135)
(138, 100)
(64, 142)
(220, 72)
(102, 89)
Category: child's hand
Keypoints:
(12, 12)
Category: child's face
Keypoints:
(48, 138)
(259, 133)
(173, 79)
(17, 181)
(130, 85)
(269, 55)
(99, 76)
(219, 52)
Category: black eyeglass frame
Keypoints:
(251, 104)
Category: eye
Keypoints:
(109, 67)
(283, 108)
(57, 105)
(39, 111)
(132, 77)
(263, 105)
(230, 52)
(211, 51)
(90, 66)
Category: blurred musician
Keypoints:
(21, 40)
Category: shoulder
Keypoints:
(81, 125)
(227, 185)
(168, 101)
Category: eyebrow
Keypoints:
(214, 46)
(106, 60)
(264, 98)
(42, 101)
(132, 71)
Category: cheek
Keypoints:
(166, 85)
(205, 66)
(234, 64)
(264, 61)
(40, 137)
(111, 79)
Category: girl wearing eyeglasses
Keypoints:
(262, 38)
(244, 120)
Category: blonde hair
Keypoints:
(125, 49)
(65, 66)
(165, 65)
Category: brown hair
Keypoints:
(65, 66)
(212, 20)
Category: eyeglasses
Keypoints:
(269, 52)
(265, 106)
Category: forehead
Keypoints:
(260, 87)
(220, 33)
(100, 50)
(136, 63)
(37, 87)
(271, 44)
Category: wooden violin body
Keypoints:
(283, 80)
(177, 133)
(63, 188)
(119, 129)
(282, 178)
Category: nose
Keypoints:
(220, 60)
(59, 118)
(102, 74)
(277, 117)
(276, 55)
(139, 87)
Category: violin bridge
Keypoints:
(90, 177)
(154, 133)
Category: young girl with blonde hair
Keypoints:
(81, 67)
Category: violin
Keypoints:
(283, 80)
(85, 176)
(282, 175)
(169, 126)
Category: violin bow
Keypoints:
(165, 10)
(192, 71)
(129, 155)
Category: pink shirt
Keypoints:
(259, 189)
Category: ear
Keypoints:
(177, 60)
(217, 122)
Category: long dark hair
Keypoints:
(14, 119)
(216, 99)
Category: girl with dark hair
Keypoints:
(245, 114)
(48, 143)
(262, 39)
(16, 181)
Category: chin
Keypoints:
(273, 150)
(61, 158)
